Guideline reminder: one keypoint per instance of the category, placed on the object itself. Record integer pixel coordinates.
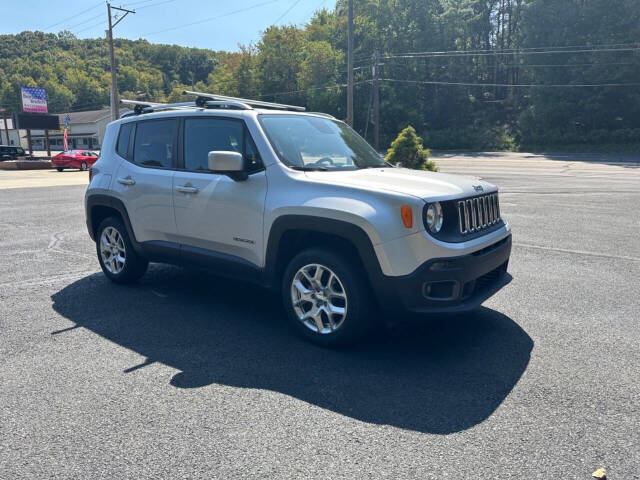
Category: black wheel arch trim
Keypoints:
(309, 223)
(102, 200)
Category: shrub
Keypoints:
(407, 150)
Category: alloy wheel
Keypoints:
(319, 298)
(112, 250)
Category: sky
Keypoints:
(213, 24)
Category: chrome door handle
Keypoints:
(187, 189)
(127, 181)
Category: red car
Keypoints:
(81, 159)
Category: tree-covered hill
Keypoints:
(475, 74)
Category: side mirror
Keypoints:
(228, 163)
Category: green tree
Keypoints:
(407, 150)
(473, 96)
(319, 72)
(280, 53)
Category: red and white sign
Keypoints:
(34, 100)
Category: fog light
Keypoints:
(445, 290)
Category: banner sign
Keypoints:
(34, 100)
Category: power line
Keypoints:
(535, 65)
(101, 22)
(75, 16)
(326, 87)
(155, 4)
(511, 51)
(573, 65)
(251, 7)
(129, 5)
(296, 2)
(531, 85)
(84, 21)
(546, 52)
(519, 49)
(316, 8)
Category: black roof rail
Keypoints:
(203, 98)
(227, 104)
(140, 107)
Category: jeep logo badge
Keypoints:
(478, 188)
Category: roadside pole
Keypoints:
(46, 139)
(350, 65)
(115, 111)
(114, 80)
(29, 142)
(376, 103)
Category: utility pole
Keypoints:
(46, 140)
(350, 64)
(115, 111)
(376, 102)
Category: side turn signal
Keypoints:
(407, 216)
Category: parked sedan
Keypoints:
(81, 159)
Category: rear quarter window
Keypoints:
(124, 138)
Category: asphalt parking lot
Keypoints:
(185, 375)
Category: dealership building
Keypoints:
(9, 135)
(86, 131)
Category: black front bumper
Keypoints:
(454, 284)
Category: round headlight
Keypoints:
(434, 217)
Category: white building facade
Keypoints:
(12, 134)
(86, 131)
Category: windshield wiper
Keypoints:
(310, 169)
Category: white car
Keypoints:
(297, 202)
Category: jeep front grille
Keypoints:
(478, 213)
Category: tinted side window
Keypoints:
(203, 135)
(123, 140)
(153, 146)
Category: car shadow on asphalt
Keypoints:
(438, 377)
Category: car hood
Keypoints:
(421, 184)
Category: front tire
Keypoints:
(83, 166)
(327, 298)
(118, 260)
(60, 169)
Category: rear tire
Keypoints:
(83, 166)
(118, 260)
(60, 169)
(327, 298)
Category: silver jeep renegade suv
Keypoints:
(296, 202)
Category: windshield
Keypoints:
(316, 143)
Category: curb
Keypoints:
(25, 165)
